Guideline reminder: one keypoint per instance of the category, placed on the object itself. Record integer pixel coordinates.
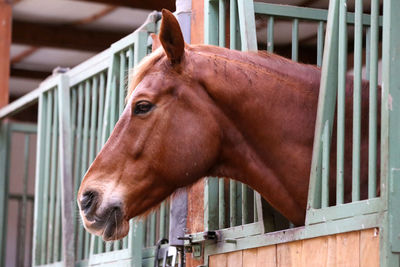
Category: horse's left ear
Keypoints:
(171, 37)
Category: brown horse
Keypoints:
(198, 110)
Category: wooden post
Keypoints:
(5, 42)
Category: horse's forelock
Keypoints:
(137, 73)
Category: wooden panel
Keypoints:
(289, 254)
(250, 257)
(266, 256)
(235, 259)
(5, 42)
(369, 248)
(314, 251)
(360, 248)
(219, 260)
(348, 249)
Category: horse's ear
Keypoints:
(156, 41)
(171, 37)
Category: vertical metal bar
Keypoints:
(162, 220)
(4, 171)
(122, 76)
(77, 169)
(211, 22)
(211, 204)
(46, 177)
(53, 179)
(57, 224)
(152, 233)
(113, 106)
(320, 43)
(358, 35)
(325, 166)
(40, 151)
(233, 24)
(245, 203)
(270, 34)
(326, 104)
(84, 155)
(221, 203)
(295, 39)
(67, 192)
(367, 52)
(373, 103)
(221, 23)
(100, 118)
(93, 120)
(137, 242)
(342, 68)
(247, 25)
(22, 221)
(232, 203)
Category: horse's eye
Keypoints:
(142, 107)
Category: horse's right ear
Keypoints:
(171, 37)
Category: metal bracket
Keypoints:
(195, 245)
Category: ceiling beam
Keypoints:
(27, 73)
(62, 36)
(150, 5)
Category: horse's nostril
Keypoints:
(88, 201)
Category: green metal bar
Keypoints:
(77, 169)
(342, 69)
(211, 204)
(221, 23)
(130, 61)
(162, 220)
(326, 104)
(295, 39)
(4, 186)
(113, 106)
(247, 25)
(233, 17)
(136, 242)
(270, 34)
(57, 224)
(152, 232)
(67, 192)
(46, 177)
(24, 202)
(211, 22)
(84, 156)
(390, 135)
(367, 52)
(93, 119)
(232, 203)
(53, 179)
(358, 35)
(221, 203)
(101, 110)
(373, 103)
(320, 43)
(122, 76)
(40, 151)
(325, 166)
(245, 205)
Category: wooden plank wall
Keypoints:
(359, 248)
(5, 42)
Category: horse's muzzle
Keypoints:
(104, 220)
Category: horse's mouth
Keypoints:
(110, 225)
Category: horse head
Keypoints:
(167, 137)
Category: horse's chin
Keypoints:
(110, 231)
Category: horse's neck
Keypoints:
(270, 128)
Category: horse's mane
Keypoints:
(263, 59)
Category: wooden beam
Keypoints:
(5, 42)
(30, 74)
(63, 36)
(150, 5)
